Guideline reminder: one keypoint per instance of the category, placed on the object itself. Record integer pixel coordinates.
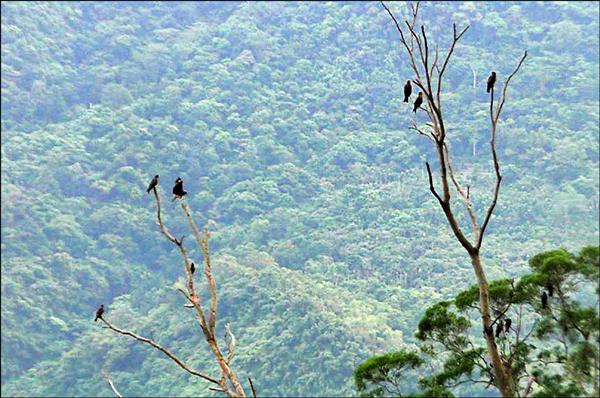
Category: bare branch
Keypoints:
(455, 39)
(110, 383)
(465, 195)
(252, 387)
(503, 98)
(408, 48)
(231, 344)
(161, 349)
(208, 328)
(191, 295)
(494, 120)
(528, 386)
(434, 65)
(430, 136)
(163, 229)
(431, 187)
(212, 286)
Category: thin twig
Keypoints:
(112, 386)
(494, 120)
(161, 349)
(252, 387)
(465, 195)
(528, 387)
(431, 187)
(231, 344)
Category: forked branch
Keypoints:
(161, 349)
(494, 116)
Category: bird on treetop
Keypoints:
(99, 312)
(178, 191)
(153, 184)
(418, 102)
(407, 91)
(491, 81)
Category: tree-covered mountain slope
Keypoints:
(286, 122)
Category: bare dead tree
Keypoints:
(228, 381)
(429, 68)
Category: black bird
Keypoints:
(99, 312)
(507, 324)
(192, 268)
(418, 102)
(407, 90)
(550, 289)
(153, 184)
(499, 328)
(544, 300)
(178, 191)
(491, 81)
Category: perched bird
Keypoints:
(178, 191)
(192, 268)
(153, 184)
(507, 324)
(491, 81)
(99, 312)
(499, 328)
(418, 102)
(544, 300)
(407, 90)
(550, 289)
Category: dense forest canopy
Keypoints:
(287, 124)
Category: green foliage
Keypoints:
(439, 323)
(558, 345)
(384, 371)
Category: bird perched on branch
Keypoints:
(407, 90)
(544, 300)
(99, 312)
(192, 268)
(550, 289)
(491, 81)
(499, 328)
(418, 102)
(507, 324)
(153, 184)
(178, 191)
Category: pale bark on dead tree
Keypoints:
(429, 77)
(228, 381)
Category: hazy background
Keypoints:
(286, 123)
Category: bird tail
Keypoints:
(405, 99)
(96, 319)
(148, 190)
(488, 90)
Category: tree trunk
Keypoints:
(503, 375)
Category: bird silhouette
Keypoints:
(491, 81)
(418, 102)
(99, 312)
(178, 191)
(153, 184)
(407, 91)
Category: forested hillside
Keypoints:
(286, 122)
